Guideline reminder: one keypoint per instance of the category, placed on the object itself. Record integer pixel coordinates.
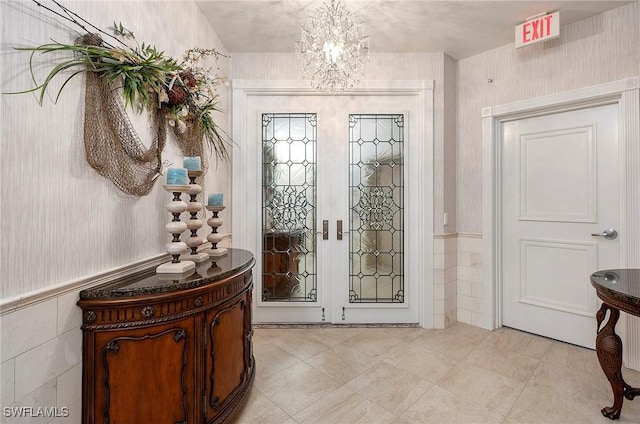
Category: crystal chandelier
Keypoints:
(332, 49)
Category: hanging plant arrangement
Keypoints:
(181, 94)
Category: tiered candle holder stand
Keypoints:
(194, 223)
(176, 227)
(175, 277)
(214, 237)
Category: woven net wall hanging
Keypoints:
(112, 146)
(120, 74)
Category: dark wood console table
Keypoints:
(169, 349)
(619, 290)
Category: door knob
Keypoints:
(609, 234)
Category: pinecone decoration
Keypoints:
(180, 90)
(188, 79)
(177, 95)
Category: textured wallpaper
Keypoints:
(59, 219)
(593, 51)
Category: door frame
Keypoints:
(244, 170)
(626, 94)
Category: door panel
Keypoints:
(560, 184)
(376, 204)
(544, 264)
(377, 284)
(289, 199)
(226, 352)
(550, 157)
(159, 359)
(323, 167)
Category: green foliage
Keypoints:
(121, 31)
(145, 75)
(142, 72)
(216, 137)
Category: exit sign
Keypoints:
(538, 28)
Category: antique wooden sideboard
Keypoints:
(169, 349)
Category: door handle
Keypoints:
(609, 234)
(325, 229)
(340, 233)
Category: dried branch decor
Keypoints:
(179, 94)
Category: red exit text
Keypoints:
(540, 28)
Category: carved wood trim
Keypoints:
(214, 401)
(111, 321)
(156, 310)
(618, 304)
(113, 347)
(148, 311)
(248, 330)
(234, 400)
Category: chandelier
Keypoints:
(332, 50)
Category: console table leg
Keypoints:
(609, 350)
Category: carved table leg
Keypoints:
(609, 350)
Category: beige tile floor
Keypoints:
(409, 375)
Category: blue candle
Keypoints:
(177, 176)
(215, 199)
(192, 163)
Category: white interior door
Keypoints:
(333, 189)
(559, 185)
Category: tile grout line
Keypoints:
(538, 365)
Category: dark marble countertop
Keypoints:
(148, 282)
(624, 284)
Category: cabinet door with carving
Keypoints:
(142, 364)
(228, 355)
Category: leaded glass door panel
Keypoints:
(376, 208)
(289, 207)
(333, 209)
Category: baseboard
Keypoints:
(328, 325)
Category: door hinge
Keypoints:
(322, 314)
(343, 318)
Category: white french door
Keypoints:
(333, 184)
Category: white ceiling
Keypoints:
(459, 28)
